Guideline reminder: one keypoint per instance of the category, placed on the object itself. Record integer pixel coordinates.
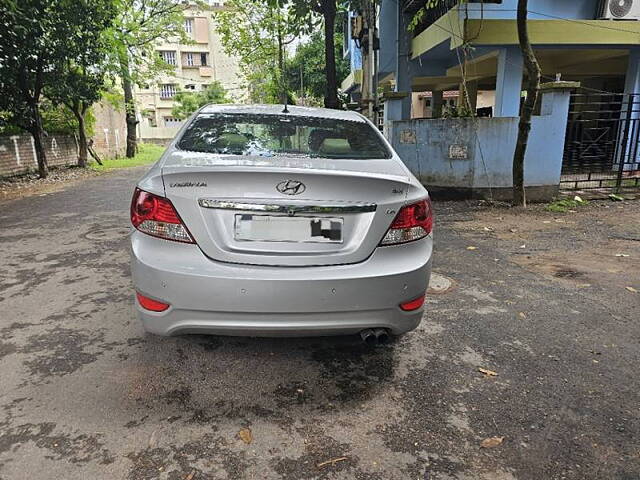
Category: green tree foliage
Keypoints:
(258, 32)
(139, 26)
(306, 12)
(188, 102)
(38, 39)
(78, 88)
(306, 69)
(56, 120)
(82, 80)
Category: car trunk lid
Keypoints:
(240, 209)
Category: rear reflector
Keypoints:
(412, 222)
(413, 304)
(151, 304)
(156, 216)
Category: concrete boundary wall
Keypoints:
(474, 156)
(110, 131)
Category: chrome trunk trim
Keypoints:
(289, 209)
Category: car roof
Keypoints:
(293, 110)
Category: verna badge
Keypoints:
(291, 187)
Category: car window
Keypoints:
(282, 135)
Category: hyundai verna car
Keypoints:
(264, 221)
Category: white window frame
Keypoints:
(188, 25)
(169, 56)
(168, 90)
(190, 60)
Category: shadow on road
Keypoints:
(207, 376)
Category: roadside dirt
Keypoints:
(594, 246)
(29, 184)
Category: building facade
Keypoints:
(466, 54)
(578, 40)
(196, 65)
(573, 40)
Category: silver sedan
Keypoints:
(272, 221)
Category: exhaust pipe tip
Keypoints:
(382, 335)
(369, 337)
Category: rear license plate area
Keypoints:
(271, 228)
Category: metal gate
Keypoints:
(602, 146)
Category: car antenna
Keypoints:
(285, 94)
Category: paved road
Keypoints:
(86, 394)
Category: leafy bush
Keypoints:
(56, 120)
(188, 102)
(564, 205)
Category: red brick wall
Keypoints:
(17, 154)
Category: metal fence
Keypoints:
(602, 146)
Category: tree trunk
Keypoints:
(129, 105)
(533, 88)
(79, 110)
(37, 133)
(331, 93)
(82, 140)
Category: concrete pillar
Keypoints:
(509, 82)
(555, 98)
(543, 161)
(395, 108)
(436, 103)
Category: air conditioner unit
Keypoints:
(620, 10)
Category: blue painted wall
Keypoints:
(490, 144)
(538, 9)
(388, 33)
(351, 51)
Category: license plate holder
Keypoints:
(280, 228)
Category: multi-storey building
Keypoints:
(196, 65)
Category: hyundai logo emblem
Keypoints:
(291, 187)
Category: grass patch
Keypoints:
(564, 205)
(626, 182)
(147, 153)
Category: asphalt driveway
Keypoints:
(84, 393)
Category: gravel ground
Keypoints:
(29, 184)
(86, 394)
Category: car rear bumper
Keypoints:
(207, 296)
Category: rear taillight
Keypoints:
(151, 304)
(412, 222)
(155, 215)
(413, 304)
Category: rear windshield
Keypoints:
(282, 135)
